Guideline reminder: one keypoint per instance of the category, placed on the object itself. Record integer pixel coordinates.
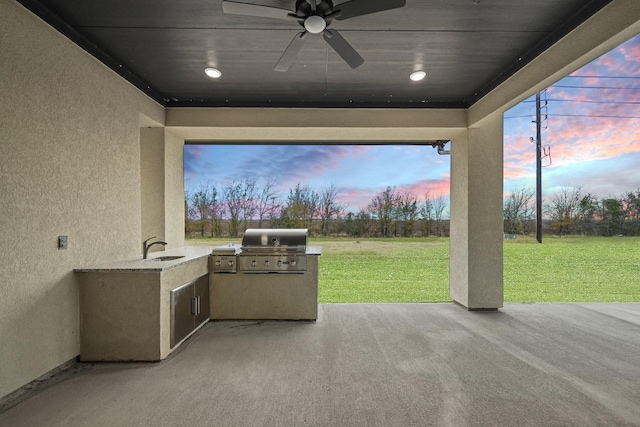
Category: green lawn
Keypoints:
(417, 269)
(598, 269)
(384, 270)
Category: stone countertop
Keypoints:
(138, 264)
(189, 253)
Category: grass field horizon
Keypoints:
(561, 269)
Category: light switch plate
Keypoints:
(62, 242)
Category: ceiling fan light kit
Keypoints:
(315, 24)
(315, 16)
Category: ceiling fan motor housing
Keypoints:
(304, 10)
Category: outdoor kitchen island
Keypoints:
(272, 275)
(127, 307)
(143, 309)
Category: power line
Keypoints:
(595, 87)
(586, 102)
(592, 116)
(596, 102)
(519, 117)
(595, 116)
(605, 77)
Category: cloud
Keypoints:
(574, 143)
(435, 187)
(313, 165)
(195, 162)
(575, 140)
(606, 177)
(192, 154)
(292, 163)
(358, 198)
(625, 60)
(592, 127)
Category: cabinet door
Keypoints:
(181, 317)
(202, 296)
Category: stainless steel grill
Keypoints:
(270, 250)
(242, 288)
(223, 258)
(274, 240)
(273, 250)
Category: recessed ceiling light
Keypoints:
(417, 76)
(212, 72)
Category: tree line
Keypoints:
(572, 211)
(229, 209)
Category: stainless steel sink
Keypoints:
(166, 258)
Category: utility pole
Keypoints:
(538, 170)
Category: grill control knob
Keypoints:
(218, 263)
(293, 263)
(230, 262)
(266, 263)
(254, 263)
(279, 263)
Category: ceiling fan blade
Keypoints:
(246, 9)
(290, 52)
(355, 8)
(343, 48)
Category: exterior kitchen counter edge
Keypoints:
(190, 253)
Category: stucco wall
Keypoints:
(174, 189)
(69, 165)
(152, 159)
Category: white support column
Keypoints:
(476, 216)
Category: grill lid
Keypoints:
(274, 240)
(228, 249)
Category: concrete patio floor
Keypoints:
(543, 364)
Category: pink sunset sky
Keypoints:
(592, 129)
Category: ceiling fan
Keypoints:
(315, 16)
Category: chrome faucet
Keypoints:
(146, 246)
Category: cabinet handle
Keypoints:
(194, 306)
(198, 305)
